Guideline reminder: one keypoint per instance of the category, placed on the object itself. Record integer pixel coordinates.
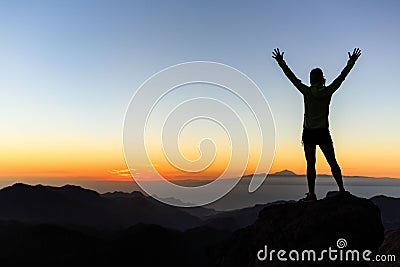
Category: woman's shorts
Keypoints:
(316, 136)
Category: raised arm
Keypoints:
(278, 56)
(350, 63)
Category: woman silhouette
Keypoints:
(317, 98)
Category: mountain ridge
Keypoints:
(71, 204)
(84, 241)
(74, 205)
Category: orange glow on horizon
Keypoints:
(108, 163)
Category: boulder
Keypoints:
(340, 222)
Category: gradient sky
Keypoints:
(68, 70)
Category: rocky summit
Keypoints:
(336, 224)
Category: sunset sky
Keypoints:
(68, 70)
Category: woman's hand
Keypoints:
(356, 54)
(277, 55)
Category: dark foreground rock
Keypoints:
(307, 226)
(47, 245)
(389, 251)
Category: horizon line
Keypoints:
(131, 179)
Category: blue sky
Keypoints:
(69, 68)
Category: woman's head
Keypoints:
(317, 77)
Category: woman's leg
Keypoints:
(329, 153)
(309, 151)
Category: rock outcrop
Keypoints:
(389, 251)
(355, 221)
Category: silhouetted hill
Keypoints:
(199, 212)
(72, 226)
(390, 210)
(139, 245)
(236, 219)
(73, 205)
(117, 194)
(300, 226)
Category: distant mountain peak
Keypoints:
(285, 173)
